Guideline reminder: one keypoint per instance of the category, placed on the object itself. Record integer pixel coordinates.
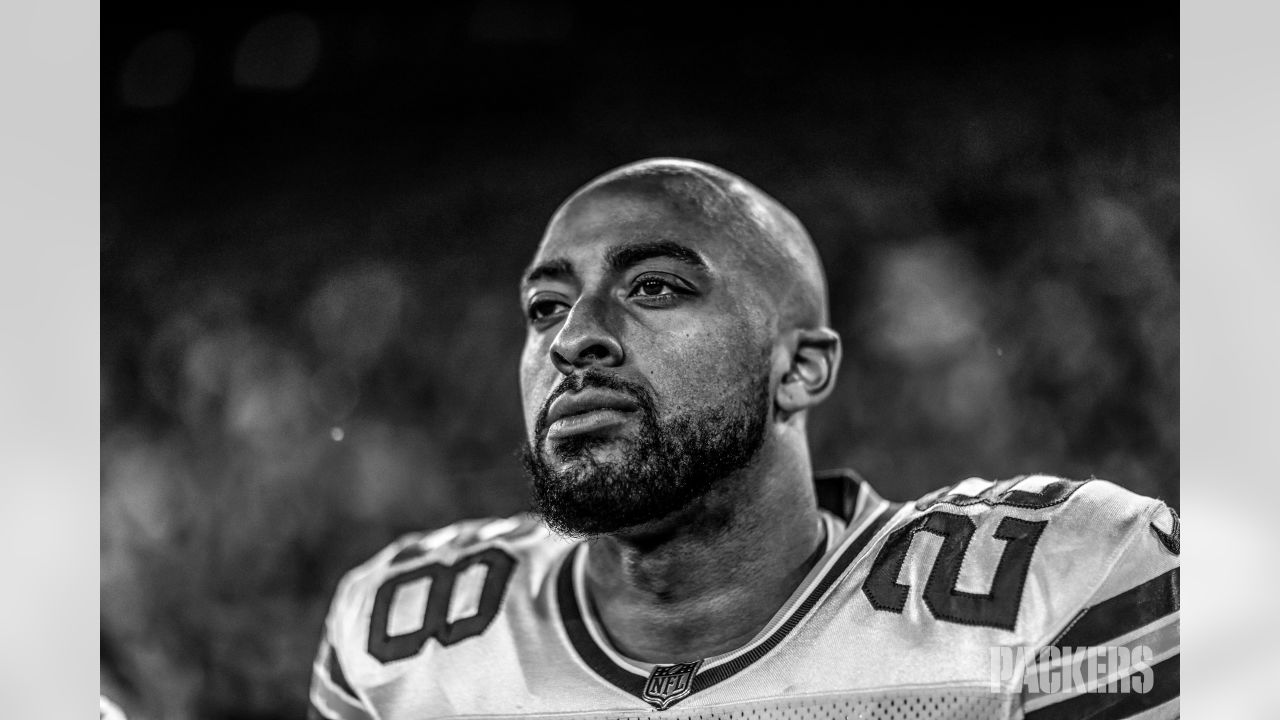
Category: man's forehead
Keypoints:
(628, 209)
(601, 223)
(740, 231)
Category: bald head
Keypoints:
(767, 236)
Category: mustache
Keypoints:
(597, 379)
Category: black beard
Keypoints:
(665, 469)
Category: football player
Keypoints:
(685, 559)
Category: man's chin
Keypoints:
(569, 516)
(585, 451)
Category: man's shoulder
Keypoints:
(1102, 509)
(1087, 522)
(517, 531)
(1069, 544)
(428, 591)
(1093, 501)
(522, 536)
(500, 546)
(1037, 570)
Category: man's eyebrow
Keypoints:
(557, 269)
(621, 258)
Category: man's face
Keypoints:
(646, 368)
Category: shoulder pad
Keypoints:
(522, 536)
(1063, 542)
(465, 536)
(1098, 499)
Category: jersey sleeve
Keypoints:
(1118, 656)
(331, 696)
(361, 673)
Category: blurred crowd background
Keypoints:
(313, 224)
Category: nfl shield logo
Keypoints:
(668, 684)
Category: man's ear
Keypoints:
(812, 374)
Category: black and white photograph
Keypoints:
(573, 360)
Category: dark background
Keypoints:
(313, 224)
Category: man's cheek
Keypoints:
(530, 372)
(698, 364)
(531, 402)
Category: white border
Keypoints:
(1230, 230)
(49, 374)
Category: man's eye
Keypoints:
(653, 287)
(546, 309)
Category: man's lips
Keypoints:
(587, 410)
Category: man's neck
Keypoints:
(708, 581)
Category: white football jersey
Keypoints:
(1035, 597)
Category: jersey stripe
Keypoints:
(333, 703)
(575, 627)
(1160, 639)
(318, 708)
(331, 695)
(1164, 711)
(1115, 706)
(334, 669)
(1124, 613)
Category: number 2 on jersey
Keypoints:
(997, 608)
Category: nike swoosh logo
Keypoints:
(1171, 540)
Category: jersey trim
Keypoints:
(852, 551)
(334, 668)
(834, 534)
(630, 681)
(331, 696)
(575, 627)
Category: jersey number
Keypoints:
(435, 621)
(998, 608)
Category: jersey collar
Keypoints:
(869, 514)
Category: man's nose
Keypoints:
(586, 339)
